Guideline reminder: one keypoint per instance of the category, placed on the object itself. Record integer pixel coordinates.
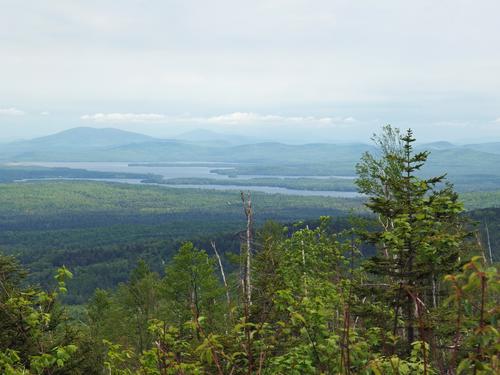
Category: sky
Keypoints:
(295, 70)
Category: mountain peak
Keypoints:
(91, 137)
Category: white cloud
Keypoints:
(235, 118)
(124, 117)
(244, 118)
(497, 120)
(11, 112)
(44, 113)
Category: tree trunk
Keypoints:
(228, 296)
(247, 205)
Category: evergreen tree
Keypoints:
(421, 235)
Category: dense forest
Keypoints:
(405, 284)
(100, 230)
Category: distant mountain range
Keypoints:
(90, 144)
(209, 137)
(491, 147)
(70, 141)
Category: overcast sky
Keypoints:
(307, 70)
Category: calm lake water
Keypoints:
(275, 190)
(184, 170)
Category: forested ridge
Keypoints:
(100, 230)
(409, 287)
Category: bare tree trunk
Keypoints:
(480, 245)
(228, 296)
(247, 279)
(434, 291)
(247, 205)
(489, 243)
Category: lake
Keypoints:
(184, 170)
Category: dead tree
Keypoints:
(489, 243)
(228, 296)
(247, 206)
(247, 279)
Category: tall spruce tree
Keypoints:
(421, 232)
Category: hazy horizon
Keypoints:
(211, 135)
(281, 70)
